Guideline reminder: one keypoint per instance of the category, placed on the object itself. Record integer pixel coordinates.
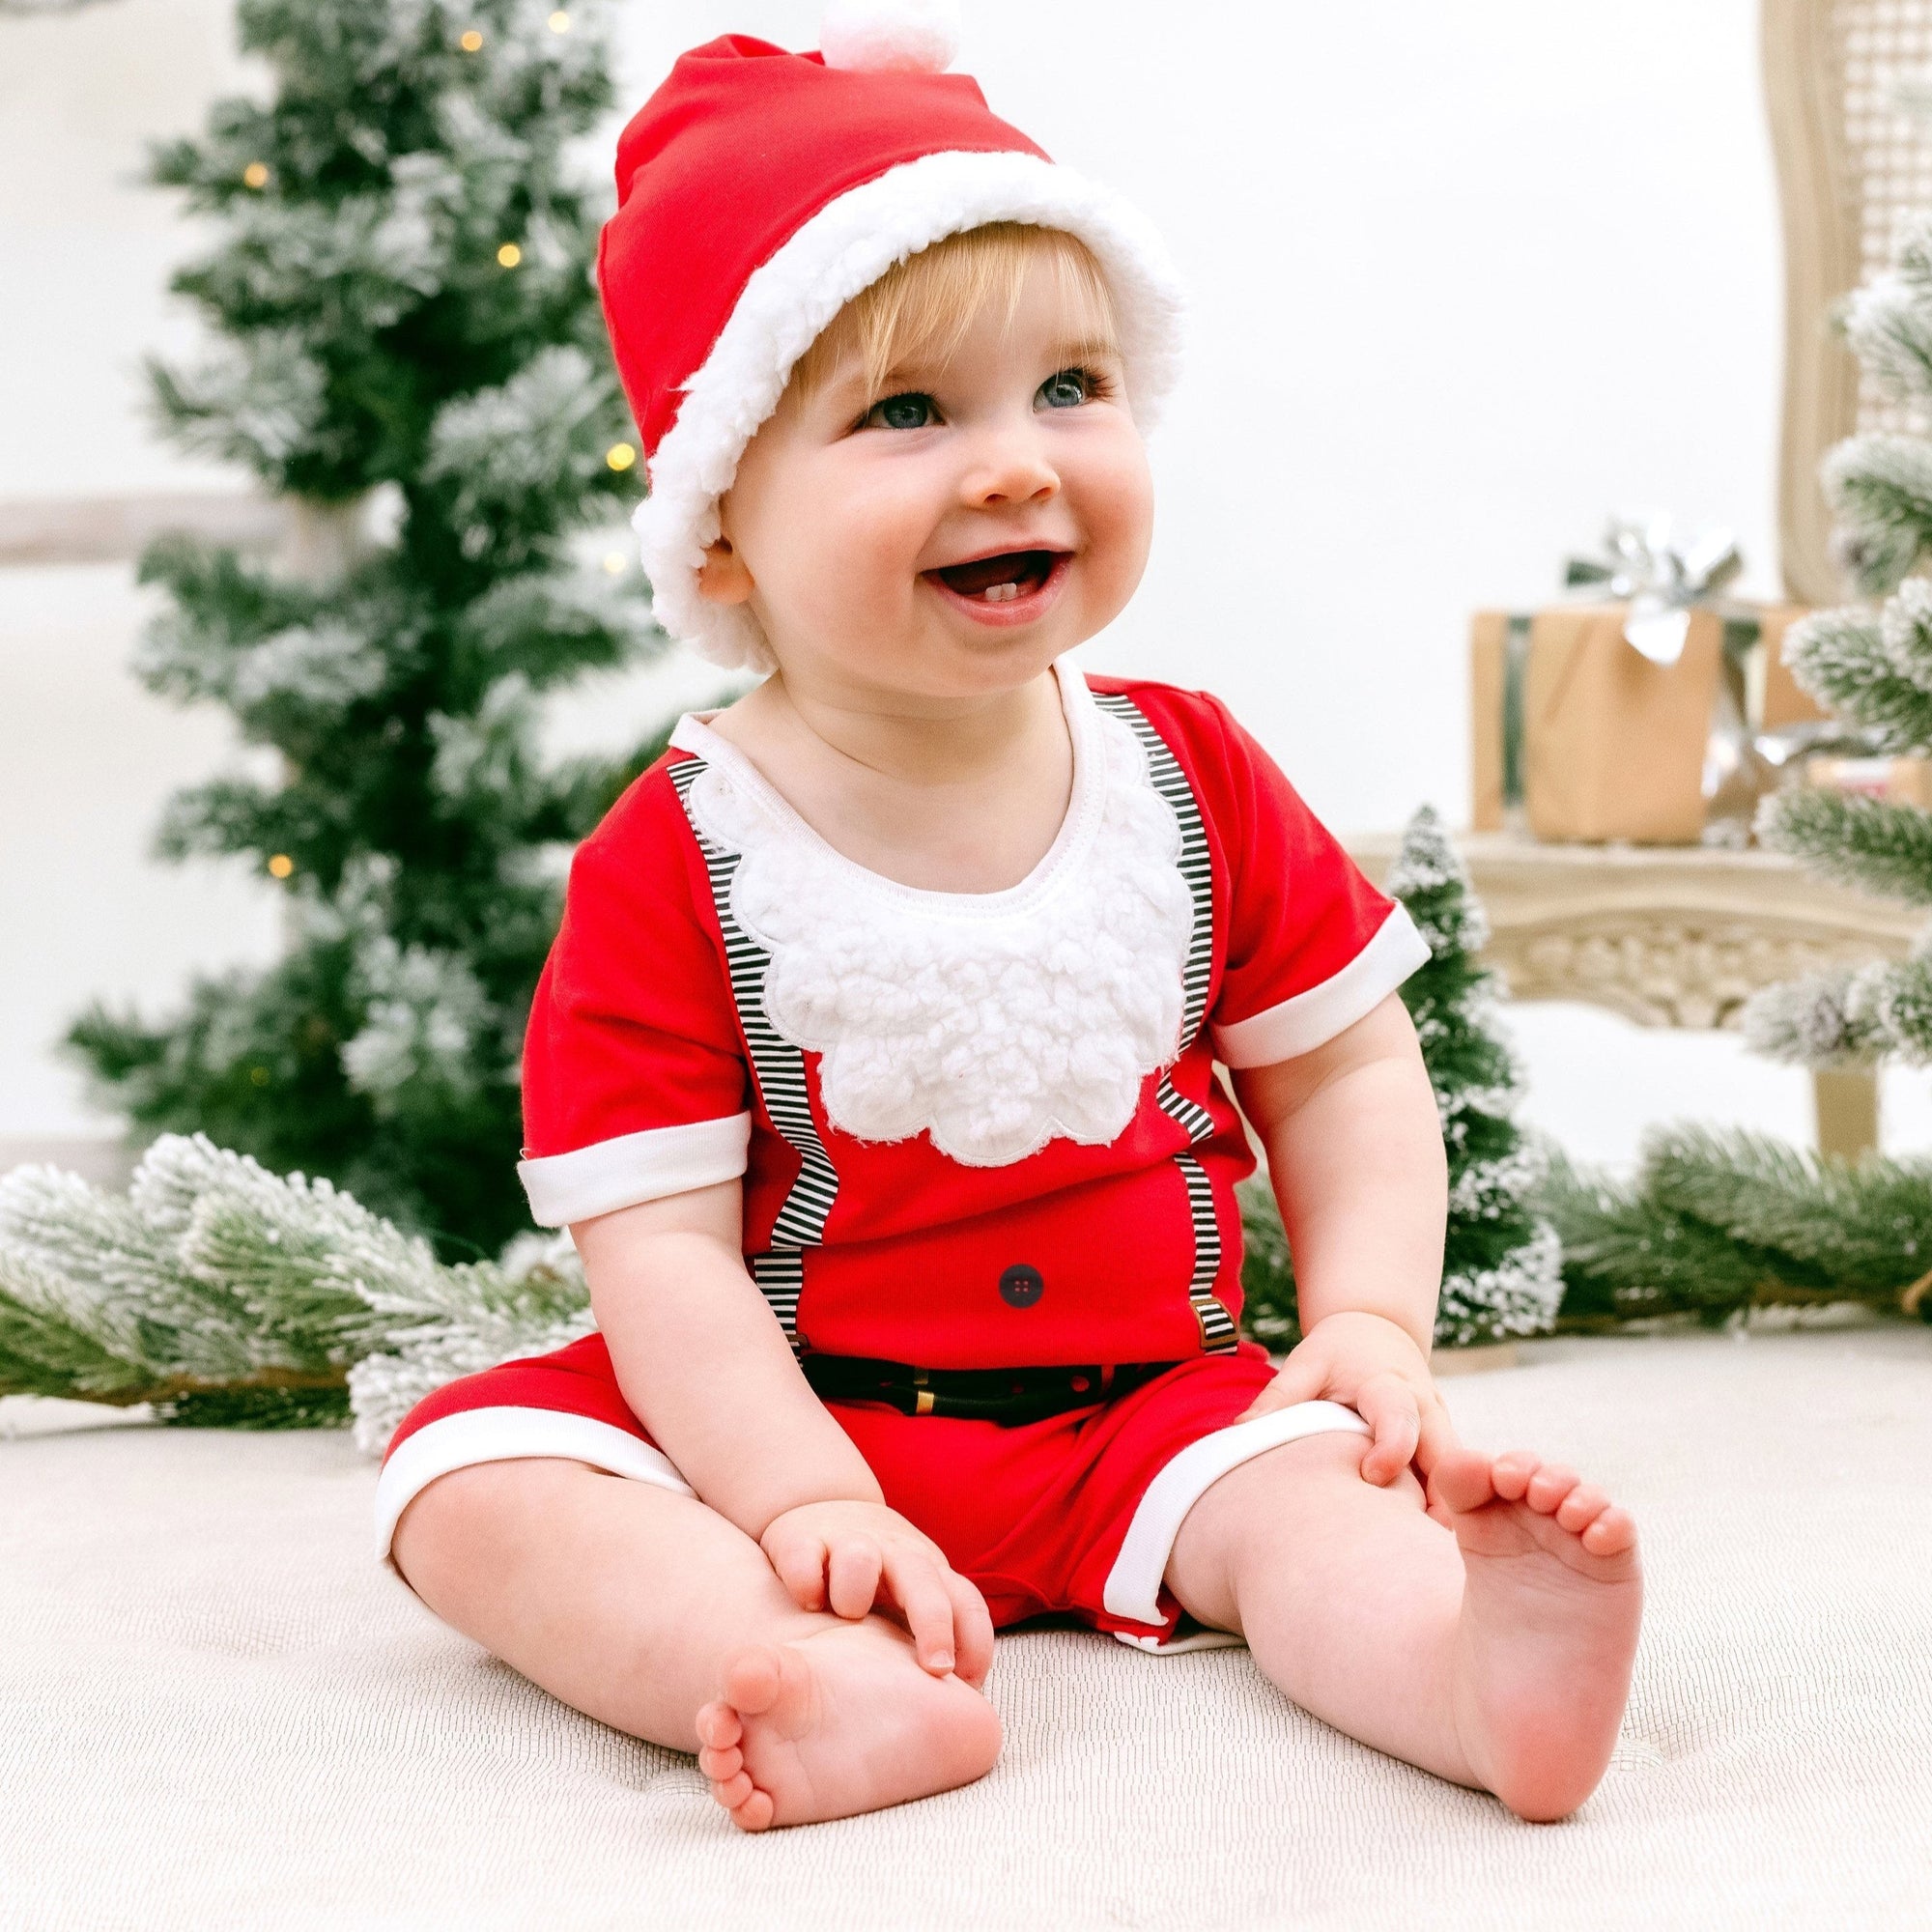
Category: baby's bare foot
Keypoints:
(1549, 1631)
(839, 1721)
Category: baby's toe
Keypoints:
(732, 1792)
(756, 1812)
(1581, 1508)
(719, 1725)
(754, 1679)
(1462, 1480)
(1549, 1486)
(719, 1765)
(1611, 1534)
(1511, 1473)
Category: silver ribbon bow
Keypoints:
(1660, 581)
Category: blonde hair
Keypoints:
(923, 306)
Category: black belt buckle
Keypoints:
(1006, 1396)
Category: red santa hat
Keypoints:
(759, 192)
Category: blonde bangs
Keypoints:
(921, 308)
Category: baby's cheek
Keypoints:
(1118, 512)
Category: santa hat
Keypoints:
(759, 192)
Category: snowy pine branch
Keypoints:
(213, 1276)
(1866, 842)
(426, 1013)
(1880, 489)
(1715, 1223)
(1887, 325)
(262, 401)
(547, 626)
(1518, 1296)
(1870, 670)
(506, 456)
(1816, 1021)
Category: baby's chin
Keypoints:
(926, 651)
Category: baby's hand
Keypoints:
(846, 1556)
(1374, 1366)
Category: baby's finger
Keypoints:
(800, 1564)
(972, 1629)
(928, 1607)
(1437, 1434)
(852, 1576)
(1389, 1406)
(1303, 1378)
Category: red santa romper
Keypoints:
(976, 1132)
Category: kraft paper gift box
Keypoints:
(1594, 740)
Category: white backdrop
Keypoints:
(1466, 277)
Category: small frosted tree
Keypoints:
(1872, 666)
(1501, 1271)
(408, 351)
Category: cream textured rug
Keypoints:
(218, 1713)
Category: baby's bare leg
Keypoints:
(1497, 1653)
(652, 1613)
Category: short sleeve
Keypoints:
(1312, 945)
(635, 1084)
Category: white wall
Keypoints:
(1467, 277)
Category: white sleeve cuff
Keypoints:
(1315, 1017)
(647, 1166)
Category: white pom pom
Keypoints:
(891, 36)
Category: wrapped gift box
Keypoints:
(1593, 741)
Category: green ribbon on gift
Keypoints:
(1516, 674)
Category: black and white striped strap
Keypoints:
(779, 1067)
(1218, 1333)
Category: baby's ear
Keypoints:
(721, 577)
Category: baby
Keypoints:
(874, 1069)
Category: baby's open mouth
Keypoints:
(999, 580)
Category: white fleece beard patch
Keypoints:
(994, 1027)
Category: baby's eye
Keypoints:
(1066, 389)
(911, 411)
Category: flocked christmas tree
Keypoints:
(1873, 667)
(408, 351)
(1717, 1222)
(1501, 1262)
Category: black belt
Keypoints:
(992, 1395)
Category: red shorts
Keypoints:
(1076, 1512)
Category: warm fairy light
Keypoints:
(470, 41)
(281, 865)
(559, 23)
(620, 456)
(613, 562)
(255, 174)
(509, 254)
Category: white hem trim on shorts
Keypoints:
(508, 1434)
(632, 1168)
(1313, 1018)
(1134, 1584)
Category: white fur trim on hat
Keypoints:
(788, 302)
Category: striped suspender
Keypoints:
(1217, 1327)
(779, 1067)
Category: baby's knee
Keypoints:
(1335, 1459)
(460, 1521)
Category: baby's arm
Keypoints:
(1354, 1151)
(697, 1352)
